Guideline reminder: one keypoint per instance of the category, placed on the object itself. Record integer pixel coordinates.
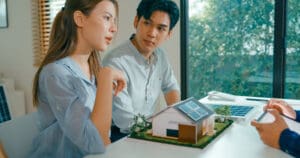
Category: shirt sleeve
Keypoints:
(169, 81)
(297, 115)
(289, 142)
(72, 115)
(123, 111)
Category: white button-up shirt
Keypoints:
(145, 81)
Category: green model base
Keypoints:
(205, 140)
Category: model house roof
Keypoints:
(191, 108)
(194, 110)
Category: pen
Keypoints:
(257, 99)
(265, 112)
(261, 116)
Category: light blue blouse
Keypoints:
(66, 99)
(145, 82)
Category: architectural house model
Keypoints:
(186, 121)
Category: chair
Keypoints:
(17, 134)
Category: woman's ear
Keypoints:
(79, 18)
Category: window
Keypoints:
(292, 81)
(231, 46)
(3, 14)
(47, 11)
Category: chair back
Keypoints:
(17, 134)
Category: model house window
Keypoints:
(47, 11)
(235, 47)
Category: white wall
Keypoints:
(16, 46)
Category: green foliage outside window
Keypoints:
(230, 48)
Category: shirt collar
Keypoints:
(75, 69)
(153, 57)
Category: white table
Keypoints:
(240, 140)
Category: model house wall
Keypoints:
(168, 119)
(173, 122)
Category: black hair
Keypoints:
(147, 7)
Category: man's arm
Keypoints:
(172, 97)
(123, 112)
(170, 86)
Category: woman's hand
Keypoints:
(282, 107)
(118, 79)
(119, 82)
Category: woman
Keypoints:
(72, 92)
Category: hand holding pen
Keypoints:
(270, 132)
(282, 107)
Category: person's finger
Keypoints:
(117, 90)
(114, 85)
(121, 84)
(120, 87)
(274, 106)
(276, 114)
(266, 107)
(255, 124)
(269, 102)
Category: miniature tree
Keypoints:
(140, 125)
(224, 112)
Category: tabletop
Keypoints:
(239, 140)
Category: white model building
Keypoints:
(187, 121)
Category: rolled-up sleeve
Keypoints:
(72, 115)
(169, 81)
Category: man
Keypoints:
(145, 65)
(277, 134)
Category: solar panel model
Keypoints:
(235, 111)
(4, 109)
(194, 109)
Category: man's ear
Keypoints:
(135, 22)
(170, 33)
(79, 18)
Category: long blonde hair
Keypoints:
(63, 38)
